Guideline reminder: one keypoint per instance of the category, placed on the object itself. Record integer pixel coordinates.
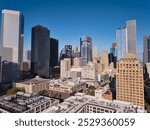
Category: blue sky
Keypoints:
(68, 20)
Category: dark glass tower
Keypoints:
(40, 51)
(86, 48)
(53, 52)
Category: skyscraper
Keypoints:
(12, 45)
(146, 54)
(126, 39)
(53, 52)
(113, 49)
(66, 52)
(105, 58)
(86, 48)
(40, 51)
(75, 52)
(121, 42)
(129, 80)
(113, 54)
(131, 36)
(94, 52)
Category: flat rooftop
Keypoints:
(34, 81)
(74, 103)
(21, 102)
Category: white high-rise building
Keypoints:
(131, 36)
(65, 68)
(11, 45)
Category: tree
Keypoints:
(13, 91)
(43, 93)
(147, 106)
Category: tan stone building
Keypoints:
(105, 59)
(65, 68)
(76, 62)
(129, 80)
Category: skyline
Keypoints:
(101, 20)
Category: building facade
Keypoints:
(88, 71)
(12, 38)
(126, 39)
(86, 48)
(53, 52)
(65, 67)
(105, 58)
(129, 80)
(131, 36)
(146, 53)
(40, 51)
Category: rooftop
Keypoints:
(74, 103)
(21, 102)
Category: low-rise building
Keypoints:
(33, 85)
(64, 89)
(81, 103)
(26, 103)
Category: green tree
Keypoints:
(12, 91)
(43, 93)
(147, 107)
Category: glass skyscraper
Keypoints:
(53, 52)
(126, 39)
(86, 48)
(11, 45)
(40, 51)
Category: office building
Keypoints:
(53, 52)
(12, 38)
(76, 62)
(40, 51)
(146, 53)
(66, 52)
(75, 52)
(129, 80)
(81, 103)
(88, 71)
(63, 89)
(126, 39)
(86, 48)
(147, 70)
(94, 52)
(105, 58)
(121, 42)
(131, 36)
(26, 103)
(65, 67)
(113, 49)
